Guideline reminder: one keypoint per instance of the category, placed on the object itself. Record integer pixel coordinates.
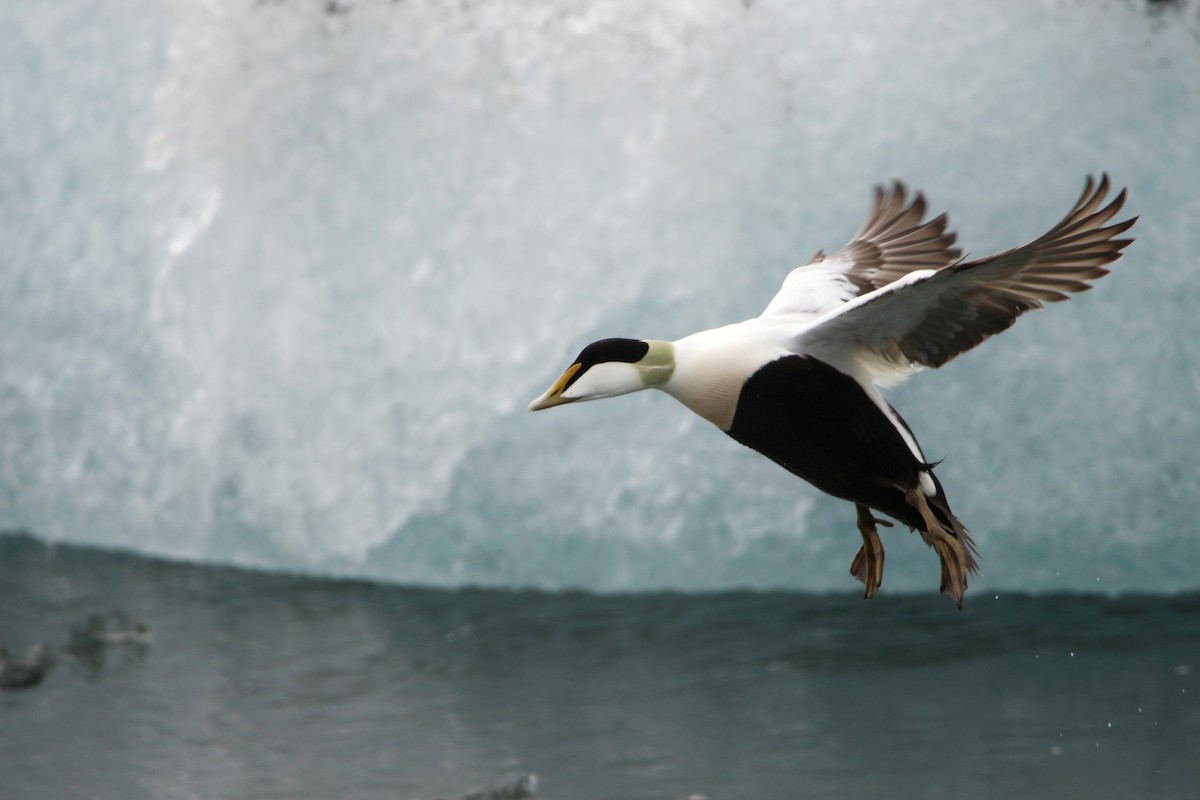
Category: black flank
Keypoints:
(819, 424)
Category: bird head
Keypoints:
(611, 367)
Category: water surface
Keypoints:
(268, 686)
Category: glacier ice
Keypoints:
(278, 278)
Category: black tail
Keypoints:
(941, 509)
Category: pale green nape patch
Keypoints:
(657, 366)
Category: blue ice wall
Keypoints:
(277, 279)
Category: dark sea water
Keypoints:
(269, 686)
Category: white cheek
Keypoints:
(605, 380)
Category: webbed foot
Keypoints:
(956, 561)
(867, 565)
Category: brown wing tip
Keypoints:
(919, 205)
(889, 197)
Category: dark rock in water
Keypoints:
(24, 673)
(92, 639)
(103, 630)
(517, 789)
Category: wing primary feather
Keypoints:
(891, 243)
(938, 314)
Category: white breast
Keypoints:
(712, 366)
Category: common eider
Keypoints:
(801, 383)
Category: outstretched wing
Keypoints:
(891, 243)
(928, 317)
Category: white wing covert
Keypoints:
(892, 242)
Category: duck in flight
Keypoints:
(801, 382)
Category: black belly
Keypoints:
(819, 424)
